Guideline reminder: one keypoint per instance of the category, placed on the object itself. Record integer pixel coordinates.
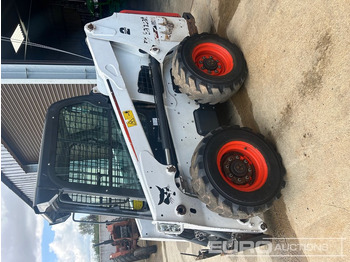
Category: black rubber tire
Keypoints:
(218, 195)
(144, 251)
(200, 86)
(131, 257)
(139, 254)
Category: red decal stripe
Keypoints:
(149, 13)
(122, 118)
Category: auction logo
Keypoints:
(281, 247)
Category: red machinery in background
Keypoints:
(124, 236)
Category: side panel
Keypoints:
(179, 109)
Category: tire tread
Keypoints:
(211, 197)
(199, 90)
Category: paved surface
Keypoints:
(297, 95)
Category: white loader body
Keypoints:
(120, 45)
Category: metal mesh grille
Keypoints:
(125, 204)
(91, 149)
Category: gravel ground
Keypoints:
(297, 95)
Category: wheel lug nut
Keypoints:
(210, 57)
(245, 161)
(249, 170)
(230, 159)
(209, 72)
(230, 175)
(217, 61)
(216, 71)
(246, 177)
(219, 66)
(202, 68)
(237, 157)
(204, 57)
(201, 61)
(239, 180)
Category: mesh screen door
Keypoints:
(91, 149)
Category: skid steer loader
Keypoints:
(147, 143)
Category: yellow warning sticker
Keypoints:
(129, 117)
(131, 122)
(128, 114)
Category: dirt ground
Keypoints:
(297, 95)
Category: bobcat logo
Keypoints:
(165, 195)
(124, 30)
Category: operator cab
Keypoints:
(85, 165)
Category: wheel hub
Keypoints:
(212, 59)
(237, 168)
(210, 64)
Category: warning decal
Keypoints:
(129, 117)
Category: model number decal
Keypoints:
(129, 117)
(145, 26)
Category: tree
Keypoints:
(90, 228)
(86, 228)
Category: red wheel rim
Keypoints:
(212, 59)
(242, 166)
